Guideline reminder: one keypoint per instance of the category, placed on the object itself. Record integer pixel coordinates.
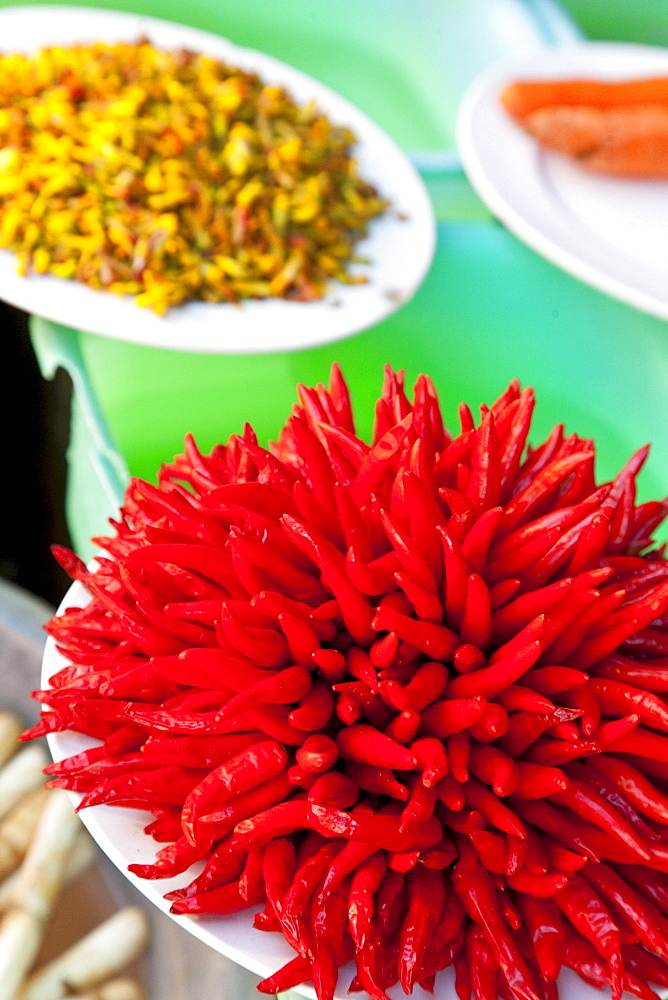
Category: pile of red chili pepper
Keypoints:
(406, 699)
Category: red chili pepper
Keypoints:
(347, 860)
(495, 812)
(420, 806)
(565, 861)
(585, 802)
(634, 786)
(549, 680)
(451, 793)
(480, 900)
(493, 723)
(535, 781)
(524, 728)
(383, 652)
(220, 869)
(315, 709)
(329, 924)
(483, 972)
(459, 752)
(648, 674)
(382, 830)
(550, 820)
(278, 869)
(294, 972)
(609, 733)
(427, 684)
(426, 605)
(493, 679)
(517, 560)
(591, 918)
(367, 745)
(644, 967)
(298, 776)
(283, 688)
(454, 715)
(361, 901)
(403, 728)
(334, 789)
(535, 852)
(432, 760)
(617, 698)
(646, 920)
(425, 892)
(227, 899)
(492, 849)
(318, 753)
(377, 780)
(545, 927)
(435, 641)
(516, 614)
(608, 791)
(456, 577)
(222, 821)
(517, 698)
(583, 959)
(251, 881)
(355, 611)
(164, 784)
(197, 751)
(467, 658)
(541, 886)
(493, 767)
(250, 768)
(478, 538)
(296, 902)
(476, 627)
(330, 664)
(551, 752)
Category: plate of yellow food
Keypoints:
(164, 186)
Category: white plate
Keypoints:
(119, 833)
(609, 232)
(400, 245)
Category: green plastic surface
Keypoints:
(643, 21)
(490, 309)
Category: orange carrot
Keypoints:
(522, 97)
(624, 142)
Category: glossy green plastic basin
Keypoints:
(490, 309)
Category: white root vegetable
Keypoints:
(38, 882)
(122, 988)
(17, 828)
(81, 857)
(10, 729)
(103, 953)
(21, 775)
(41, 876)
(20, 939)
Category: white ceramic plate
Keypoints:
(119, 833)
(400, 245)
(609, 232)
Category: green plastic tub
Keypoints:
(489, 310)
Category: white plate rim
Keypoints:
(400, 245)
(522, 203)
